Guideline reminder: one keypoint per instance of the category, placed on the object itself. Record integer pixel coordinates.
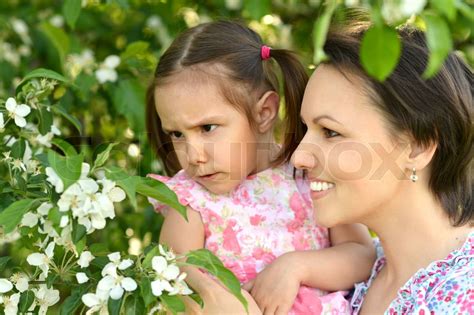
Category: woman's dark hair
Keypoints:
(232, 52)
(437, 111)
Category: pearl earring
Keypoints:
(413, 175)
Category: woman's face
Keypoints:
(353, 164)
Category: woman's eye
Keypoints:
(209, 128)
(328, 133)
(175, 134)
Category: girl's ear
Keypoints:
(266, 111)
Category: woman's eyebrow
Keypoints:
(317, 119)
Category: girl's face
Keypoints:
(353, 164)
(213, 141)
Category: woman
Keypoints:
(398, 156)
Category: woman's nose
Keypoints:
(303, 158)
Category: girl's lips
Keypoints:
(208, 177)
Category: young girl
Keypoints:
(211, 111)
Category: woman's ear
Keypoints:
(266, 111)
(419, 156)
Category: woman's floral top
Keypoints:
(444, 287)
(268, 214)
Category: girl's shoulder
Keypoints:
(188, 191)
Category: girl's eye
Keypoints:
(209, 128)
(328, 133)
(175, 134)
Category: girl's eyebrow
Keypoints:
(200, 122)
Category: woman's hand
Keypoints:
(275, 288)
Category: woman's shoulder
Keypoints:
(445, 286)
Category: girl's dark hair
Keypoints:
(230, 51)
(437, 110)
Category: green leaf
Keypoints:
(379, 51)
(446, 7)
(145, 289)
(173, 303)
(58, 38)
(73, 120)
(204, 259)
(114, 306)
(320, 30)
(439, 41)
(45, 120)
(71, 11)
(149, 256)
(11, 216)
(41, 73)
(78, 232)
(128, 98)
(73, 302)
(134, 49)
(99, 249)
(3, 262)
(124, 181)
(465, 10)
(81, 245)
(65, 146)
(134, 305)
(18, 149)
(26, 299)
(155, 189)
(103, 156)
(257, 9)
(54, 215)
(68, 168)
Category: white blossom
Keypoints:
(96, 302)
(396, 10)
(164, 273)
(2, 123)
(45, 298)
(81, 277)
(29, 219)
(57, 20)
(180, 287)
(106, 71)
(10, 303)
(21, 281)
(17, 112)
(5, 285)
(44, 208)
(54, 179)
(169, 255)
(41, 260)
(85, 259)
(20, 27)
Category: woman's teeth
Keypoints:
(320, 186)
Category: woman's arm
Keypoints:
(184, 236)
(348, 260)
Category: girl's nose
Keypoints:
(196, 152)
(303, 158)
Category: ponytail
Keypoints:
(295, 79)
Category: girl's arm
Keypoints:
(347, 261)
(184, 236)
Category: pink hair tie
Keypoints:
(265, 52)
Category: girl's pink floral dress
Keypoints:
(268, 214)
(444, 287)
